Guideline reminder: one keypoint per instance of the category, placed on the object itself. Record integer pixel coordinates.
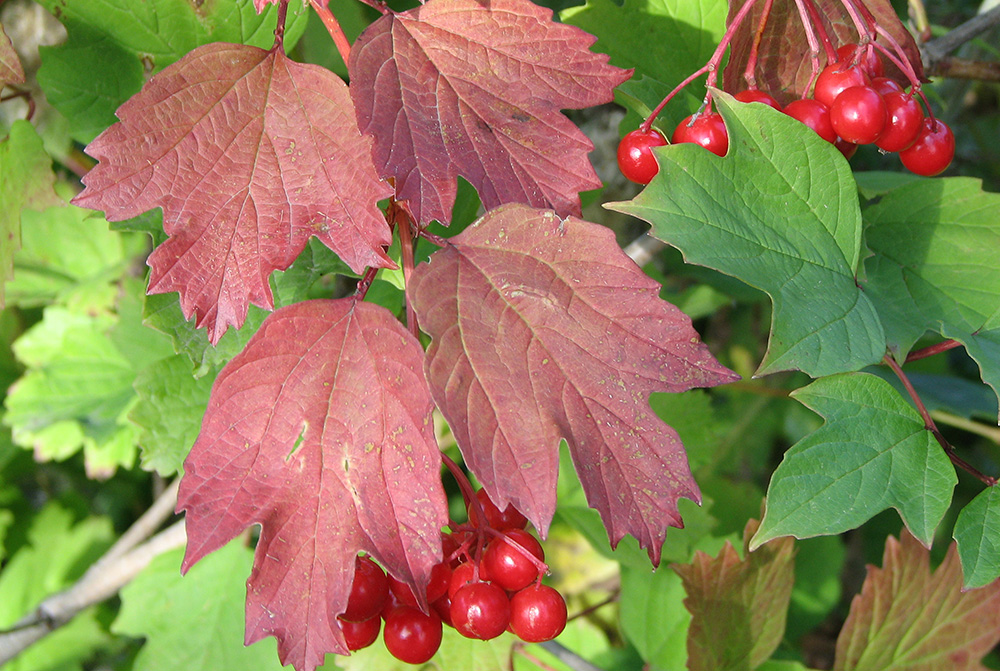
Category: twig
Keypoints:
(643, 249)
(938, 48)
(568, 657)
(931, 350)
(94, 587)
(333, 27)
(991, 433)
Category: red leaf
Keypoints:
(320, 431)
(543, 329)
(249, 154)
(907, 618)
(475, 88)
(786, 78)
(11, 71)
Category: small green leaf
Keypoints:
(26, 181)
(793, 230)
(977, 532)
(653, 617)
(872, 453)
(171, 405)
(193, 622)
(55, 555)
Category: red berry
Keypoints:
(868, 59)
(835, 78)
(884, 85)
(460, 577)
(480, 610)
(402, 592)
(757, 96)
(858, 115)
(932, 151)
(369, 591)
(509, 567)
(443, 608)
(707, 130)
(905, 117)
(440, 579)
(814, 114)
(635, 155)
(537, 613)
(848, 149)
(411, 636)
(511, 518)
(360, 634)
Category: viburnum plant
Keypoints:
(379, 339)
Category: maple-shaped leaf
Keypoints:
(475, 88)
(249, 154)
(738, 605)
(543, 329)
(910, 619)
(11, 71)
(786, 78)
(320, 431)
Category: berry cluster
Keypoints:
(488, 583)
(853, 103)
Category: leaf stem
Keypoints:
(808, 19)
(711, 66)
(365, 283)
(279, 27)
(750, 74)
(333, 27)
(401, 216)
(932, 427)
(931, 350)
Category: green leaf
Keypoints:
(193, 622)
(172, 402)
(653, 617)
(55, 555)
(87, 78)
(633, 33)
(26, 181)
(871, 454)
(78, 386)
(934, 267)
(977, 532)
(793, 230)
(456, 652)
(69, 256)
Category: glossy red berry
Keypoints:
(461, 576)
(360, 634)
(480, 610)
(932, 151)
(510, 517)
(868, 59)
(884, 85)
(635, 155)
(707, 130)
(814, 114)
(510, 568)
(369, 591)
(757, 96)
(848, 149)
(858, 115)
(537, 613)
(904, 118)
(834, 79)
(410, 635)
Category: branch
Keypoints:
(643, 249)
(122, 562)
(963, 68)
(568, 657)
(937, 49)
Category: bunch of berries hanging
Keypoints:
(849, 101)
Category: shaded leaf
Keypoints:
(872, 453)
(908, 618)
(320, 431)
(786, 78)
(169, 412)
(205, 140)
(57, 551)
(26, 182)
(934, 267)
(738, 605)
(977, 533)
(462, 87)
(543, 329)
(193, 622)
(794, 231)
(653, 618)
(11, 71)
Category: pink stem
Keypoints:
(931, 350)
(749, 75)
(333, 27)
